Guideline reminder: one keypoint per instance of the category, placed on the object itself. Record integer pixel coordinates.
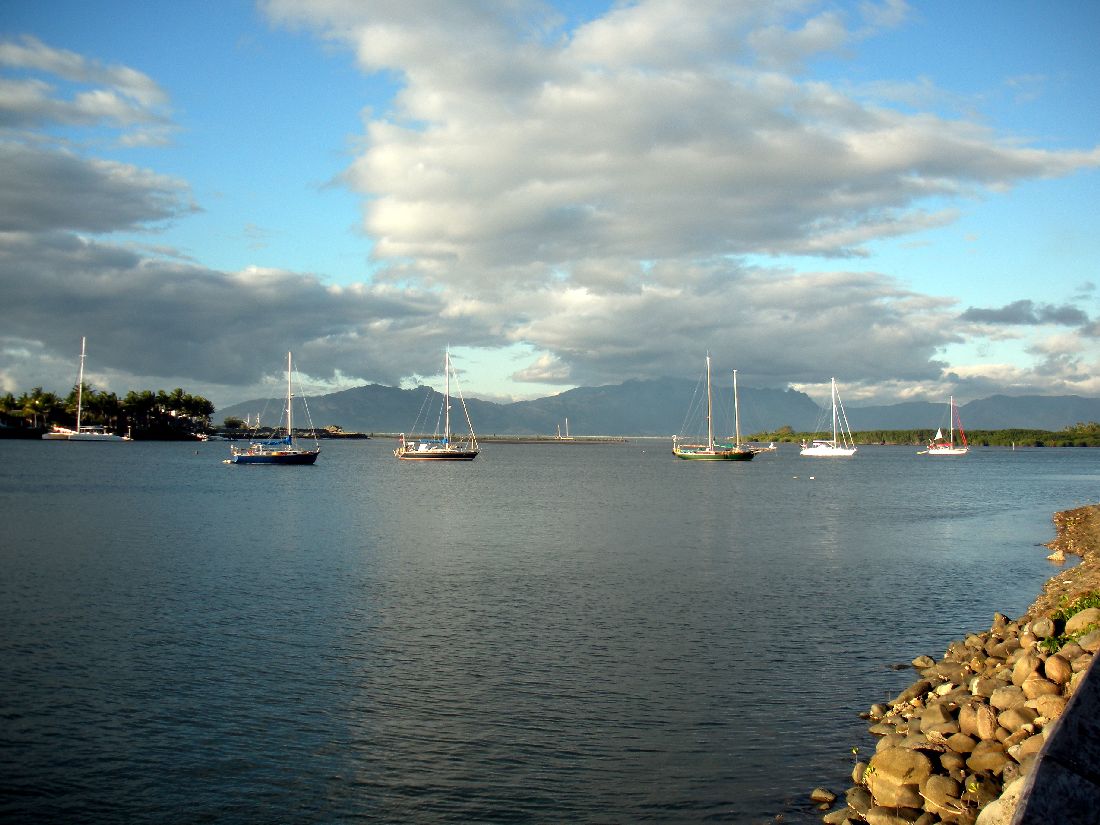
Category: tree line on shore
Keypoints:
(146, 414)
(1079, 435)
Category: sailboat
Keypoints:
(947, 446)
(446, 448)
(841, 444)
(282, 450)
(712, 451)
(82, 432)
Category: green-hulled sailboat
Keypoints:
(712, 451)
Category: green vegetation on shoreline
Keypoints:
(146, 414)
(1079, 435)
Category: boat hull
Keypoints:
(829, 452)
(946, 451)
(436, 455)
(715, 455)
(71, 435)
(291, 457)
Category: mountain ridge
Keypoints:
(656, 407)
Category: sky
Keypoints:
(901, 195)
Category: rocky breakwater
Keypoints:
(955, 746)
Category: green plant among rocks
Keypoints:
(1069, 609)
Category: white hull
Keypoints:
(825, 451)
(946, 451)
(62, 434)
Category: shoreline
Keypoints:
(958, 743)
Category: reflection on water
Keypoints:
(553, 632)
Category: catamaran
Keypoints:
(711, 450)
(282, 450)
(447, 447)
(82, 432)
(841, 445)
(947, 446)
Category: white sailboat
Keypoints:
(841, 444)
(82, 432)
(947, 446)
(460, 448)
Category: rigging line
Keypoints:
(305, 404)
(466, 412)
(694, 406)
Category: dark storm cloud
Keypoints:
(1028, 313)
(44, 189)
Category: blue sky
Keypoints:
(904, 196)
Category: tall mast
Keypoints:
(951, 418)
(833, 380)
(710, 427)
(736, 413)
(289, 402)
(80, 385)
(447, 396)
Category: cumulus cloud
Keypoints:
(45, 85)
(648, 133)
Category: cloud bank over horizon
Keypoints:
(613, 197)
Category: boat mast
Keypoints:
(80, 384)
(833, 383)
(951, 418)
(736, 413)
(446, 396)
(289, 403)
(710, 426)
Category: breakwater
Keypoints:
(961, 744)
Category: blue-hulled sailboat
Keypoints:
(281, 450)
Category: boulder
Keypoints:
(1057, 669)
(1043, 628)
(1049, 707)
(894, 775)
(859, 800)
(1090, 642)
(1001, 810)
(985, 724)
(1015, 718)
(961, 743)
(822, 796)
(1008, 697)
(892, 816)
(1035, 686)
(988, 757)
(912, 692)
(1024, 667)
(1079, 621)
(935, 715)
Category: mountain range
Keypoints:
(656, 408)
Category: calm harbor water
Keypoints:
(551, 633)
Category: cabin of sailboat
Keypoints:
(445, 447)
(841, 445)
(285, 450)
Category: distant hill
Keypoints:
(658, 407)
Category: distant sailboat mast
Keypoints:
(710, 426)
(80, 384)
(736, 413)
